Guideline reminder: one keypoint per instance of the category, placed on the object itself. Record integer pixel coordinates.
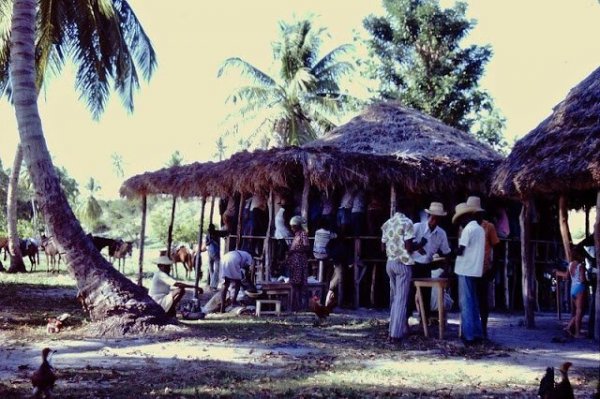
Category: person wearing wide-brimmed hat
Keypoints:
(431, 240)
(486, 282)
(468, 268)
(164, 289)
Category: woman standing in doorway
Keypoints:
(297, 261)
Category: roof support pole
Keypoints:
(587, 220)
(305, 192)
(212, 210)
(597, 244)
(170, 234)
(563, 221)
(239, 222)
(527, 264)
(393, 200)
(267, 245)
(142, 242)
(198, 258)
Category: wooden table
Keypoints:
(440, 283)
(283, 291)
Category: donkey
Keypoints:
(52, 252)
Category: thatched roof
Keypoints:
(389, 129)
(424, 156)
(562, 154)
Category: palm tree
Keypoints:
(300, 102)
(221, 147)
(106, 294)
(117, 161)
(91, 211)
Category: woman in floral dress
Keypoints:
(297, 261)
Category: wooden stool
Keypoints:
(440, 283)
(260, 302)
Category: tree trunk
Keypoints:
(140, 281)
(597, 244)
(107, 295)
(16, 258)
(527, 265)
(563, 220)
(170, 235)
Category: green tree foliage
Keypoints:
(185, 229)
(121, 218)
(90, 210)
(415, 56)
(303, 98)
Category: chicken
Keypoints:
(322, 311)
(547, 383)
(43, 378)
(562, 390)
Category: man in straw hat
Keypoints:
(469, 267)
(164, 289)
(432, 241)
(487, 278)
(398, 235)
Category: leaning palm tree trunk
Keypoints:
(16, 258)
(106, 294)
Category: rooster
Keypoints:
(562, 390)
(322, 311)
(43, 378)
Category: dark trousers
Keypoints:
(483, 288)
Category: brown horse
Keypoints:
(119, 251)
(50, 247)
(30, 249)
(183, 255)
(4, 245)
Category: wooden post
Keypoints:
(563, 220)
(198, 259)
(170, 235)
(527, 265)
(587, 220)
(239, 222)
(142, 242)
(267, 245)
(357, 274)
(212, 209)
(597, 245)
(393, 200)
(305, 192)
(506, 291)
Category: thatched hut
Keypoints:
(387, 146)
(559, 160)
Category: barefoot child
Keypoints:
(576, 273)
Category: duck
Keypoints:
(43, 378)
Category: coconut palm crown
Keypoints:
(104, 39)
(301, 101)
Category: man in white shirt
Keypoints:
(469, 267)
(232, 264)
(432, 240)
(164, 289)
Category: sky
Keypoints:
(541, 49)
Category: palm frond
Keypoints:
(251, 94)
(246, 69)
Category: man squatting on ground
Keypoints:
(164, 289)
(232, 264)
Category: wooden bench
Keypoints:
(260, 302)
(440, 283)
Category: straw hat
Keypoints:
(475, 203)
(462, 209)
(437, 209)
(298, 221)
(163, 260)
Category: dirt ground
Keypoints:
(287, 356)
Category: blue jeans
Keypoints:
(469, 308)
